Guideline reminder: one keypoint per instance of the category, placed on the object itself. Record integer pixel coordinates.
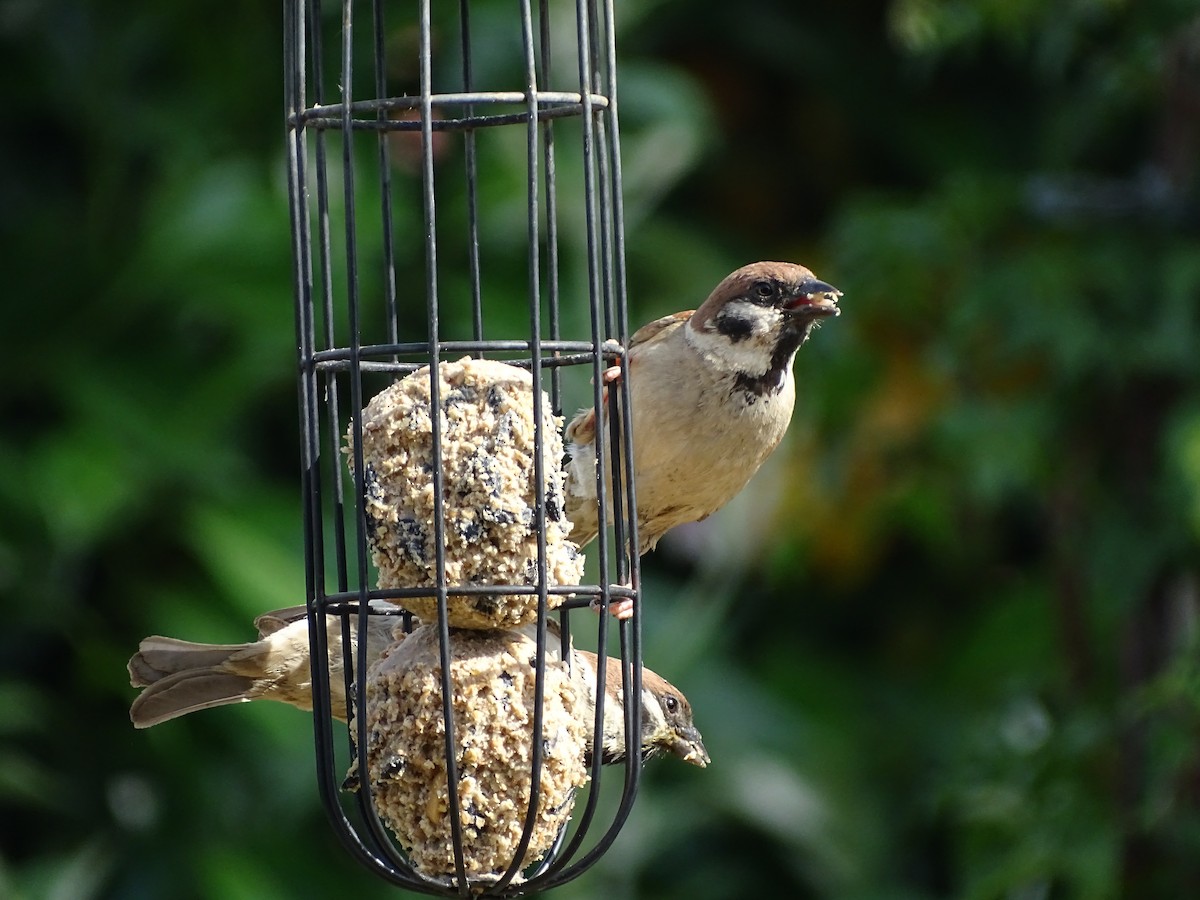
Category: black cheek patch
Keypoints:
(733, 326)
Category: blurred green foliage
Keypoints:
(945, 646)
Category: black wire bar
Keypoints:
(387, 113)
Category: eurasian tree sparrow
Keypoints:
(711, 396)
(180, 677)
(667, 724)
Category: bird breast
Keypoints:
(698, 436)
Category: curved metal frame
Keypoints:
(335, 535)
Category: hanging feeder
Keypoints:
(438, 155)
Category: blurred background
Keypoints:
(946, 646)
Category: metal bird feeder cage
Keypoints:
(438, 154)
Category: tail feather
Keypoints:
(187, 691)
(158, 657)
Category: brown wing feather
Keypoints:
(270, 622)
(582, 429)
(652, 330)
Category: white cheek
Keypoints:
(651, 708)
(751, 354)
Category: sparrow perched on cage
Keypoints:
(180, 677)
(711, 395)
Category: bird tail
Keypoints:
(180, 677)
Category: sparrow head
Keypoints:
(765, 298)
(667, 725)
(758, 317)
(667, 722)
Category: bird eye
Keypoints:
(764, 290)
(671, 703)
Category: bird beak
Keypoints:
(814, 300)
(690, 748)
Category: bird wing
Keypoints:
(582, 429)
(659, 328)
(270, 622)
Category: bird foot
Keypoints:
(621, 609)
(609, 375)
